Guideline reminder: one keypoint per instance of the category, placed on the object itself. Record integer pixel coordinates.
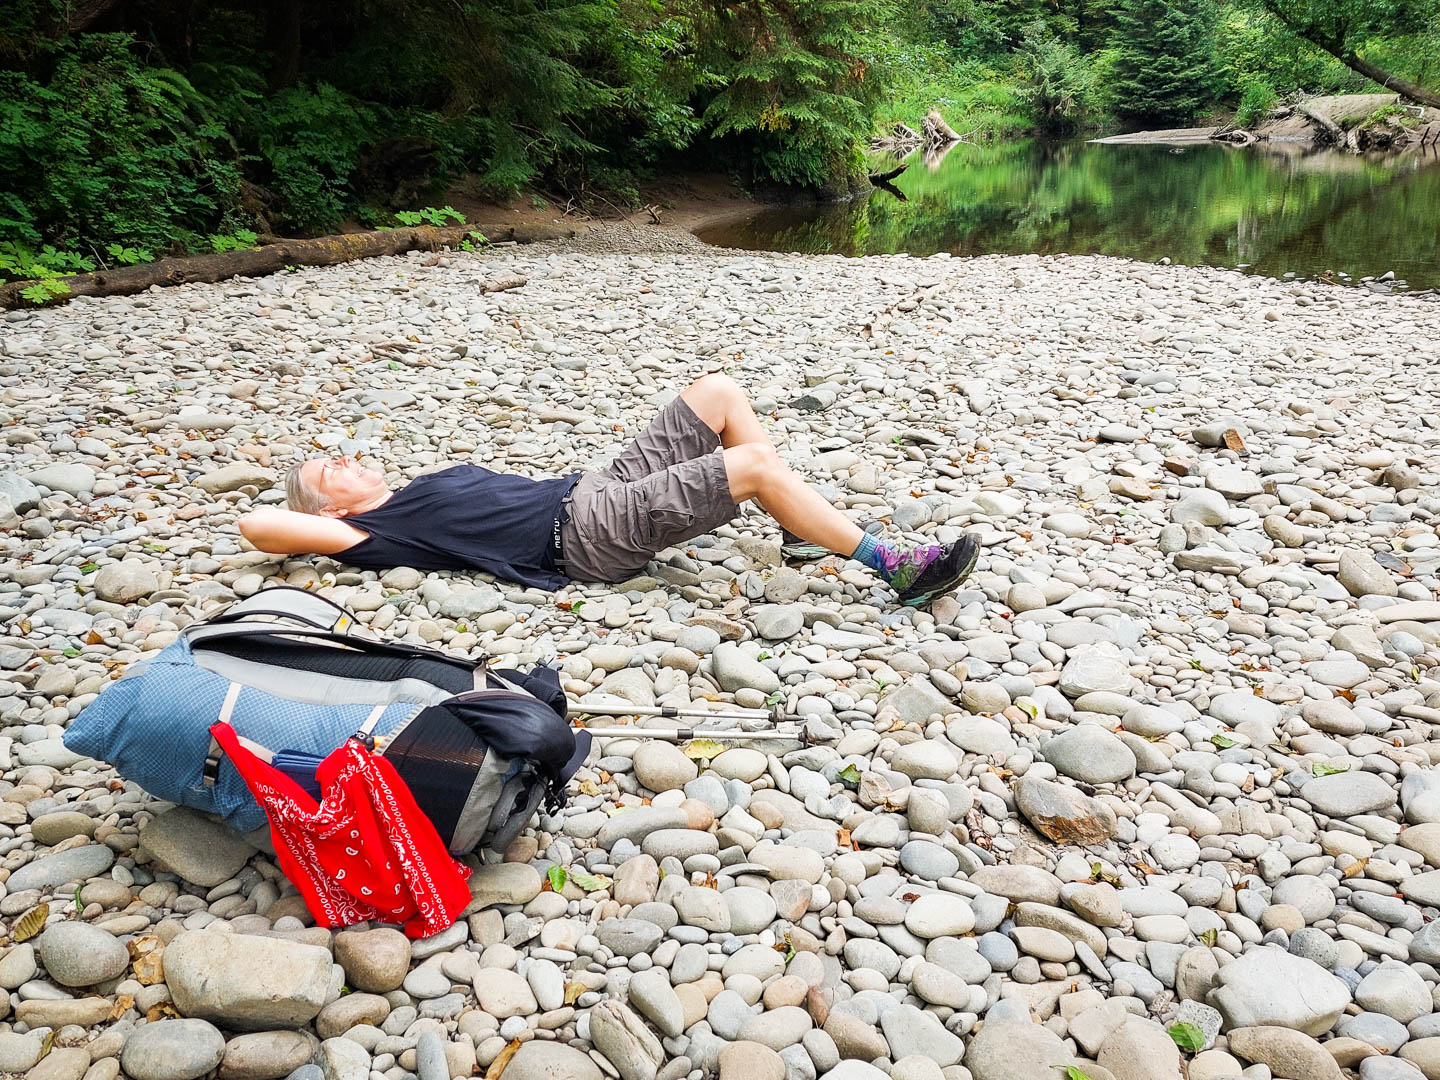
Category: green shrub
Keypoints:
(310, 140)
(1257, 99)
(106, 149)
(795, 88)
(43, 267)
(1059, 81)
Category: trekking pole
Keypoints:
(808, 734)
(620, 708)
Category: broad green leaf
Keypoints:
(556, 876)
(590, 882)
(1187, 1037)
(849, 775)
(1074, 1072)
(1224, 742)
(1209, 937)
(703, 748)
(1321, 769)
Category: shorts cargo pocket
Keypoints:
(665, 526)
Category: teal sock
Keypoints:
(872, 553)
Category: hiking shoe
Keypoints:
(793, 547)
(919, 582)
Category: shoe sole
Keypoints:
(930, 595)
(807, 551)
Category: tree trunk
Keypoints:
(1351, 59)
(321, 251)
(1403, 87)
(283, 31)
(85, 12)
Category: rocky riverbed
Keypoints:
(1167, 757)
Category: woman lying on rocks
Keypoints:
(704, 454)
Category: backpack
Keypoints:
(479, 749)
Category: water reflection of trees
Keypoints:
(1275, 209)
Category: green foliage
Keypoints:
(1187, 1037)
(103, 147)
(1059, 81)
(1383, 114)
(973, 97)
(430, 216)
(44, 268)
(1165, 67)
(240, 240)
(121, 255)
(1256, 101)
(309, 140)
(794, 86)
(1253, 46)
(187, 127)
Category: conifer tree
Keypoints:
(1165, 67)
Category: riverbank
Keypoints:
(689, 202)
(1338, 113)
(1150, 765)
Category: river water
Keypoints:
(1274, 209)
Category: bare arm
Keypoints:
(285, 532)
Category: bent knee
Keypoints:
(749, 467)
(718, 385)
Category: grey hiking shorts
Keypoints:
(665, 487)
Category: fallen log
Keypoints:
(1333, 133)
(1237, 136)
(271, 257)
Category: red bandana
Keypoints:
(365, 851)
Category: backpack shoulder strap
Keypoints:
(199, 634)
(289, 603)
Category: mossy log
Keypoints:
(271, 257)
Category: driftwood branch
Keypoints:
(270, 257)
(934, 133)
(937, 131)
(879, 179)
(1332, 132)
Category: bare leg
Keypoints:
(755, 471)
(718, 400)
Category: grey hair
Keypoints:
(301, 495)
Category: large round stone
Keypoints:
(172, 1050)
(1090, 754)
(78, 954)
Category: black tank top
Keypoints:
(466, 518)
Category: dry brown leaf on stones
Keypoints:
(31, 923)
(147, 954)
(123, 1004)
(502, 1060)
